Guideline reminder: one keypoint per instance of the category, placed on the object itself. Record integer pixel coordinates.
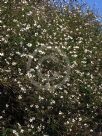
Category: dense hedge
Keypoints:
(73, 109)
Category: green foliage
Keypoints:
(6, 132)
(74, 109)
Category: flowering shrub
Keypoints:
(73, 108)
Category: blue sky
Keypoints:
(95, 4)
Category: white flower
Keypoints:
(29, 13)
(65, 43)
(22, 130)
(85, 124)
(45, 31)
(28, 26)
(31, 105)
(69, 37)
(31, 119)
(14, 63)
(15, 132)
(18, 53)
(7, 105)
(61, 96)
(31, 56)
(1, 117)
(85, 50)
(77, 29)
(67, 122)
(75, 55)
(60, 113)
(36, 34)
(38, 26)
(79, 42)
(32, 126)
(40, 98)
(29, 44)
(73, 120)
(37, 106)
(80, 119)
(52, 102)
(1, 54)
(91, 130)
(0, 21)
(19, 97)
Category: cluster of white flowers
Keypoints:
(77, 39)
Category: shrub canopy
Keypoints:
(74, 108)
